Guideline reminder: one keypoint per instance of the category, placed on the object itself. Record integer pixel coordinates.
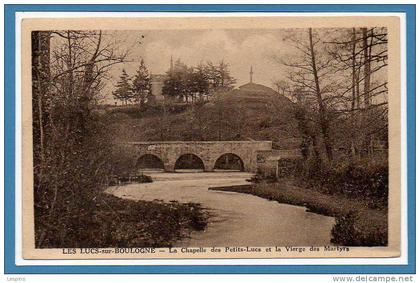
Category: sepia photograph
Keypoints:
(219, 137)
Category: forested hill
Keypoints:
(252, 111)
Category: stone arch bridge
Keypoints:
(208, 151)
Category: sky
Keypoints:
(239, 48)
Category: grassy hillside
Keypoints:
(250, 112)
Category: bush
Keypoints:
(125, 179)
(125, 223)
(363, 179)
(346, 232)
(287, 167)
(262, 178)
(142, 179)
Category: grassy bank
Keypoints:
(116, 222)
(356, 223)
(211, 121)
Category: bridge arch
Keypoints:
(207, 151)
(189, 161)
(229, 161)
(150, 161)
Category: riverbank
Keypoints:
(116, 222)
(356, 223)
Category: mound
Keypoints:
(251, 112)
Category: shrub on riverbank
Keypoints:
(346, 232)
(126, 179)
(363, 179)
(124, 223)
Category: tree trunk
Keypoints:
(40, 83)
(40, 89)
(85, 98)
(353, 71)
(366, 68)
(353, 92)
(366, 85)
(321, 107)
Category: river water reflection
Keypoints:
(237, 219)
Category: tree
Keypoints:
(68, 71)
(123, 89)
(175, 84)
(361, 54)
(40, 86)
(341, 77)
(142, 88)
(191, 82)
(202, 80)
(323, 120)
(282, 86)
(169, 88)
(227, 82)
(311, 72)
(219, 77)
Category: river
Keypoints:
(237, 219)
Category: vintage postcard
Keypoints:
(211, 137)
